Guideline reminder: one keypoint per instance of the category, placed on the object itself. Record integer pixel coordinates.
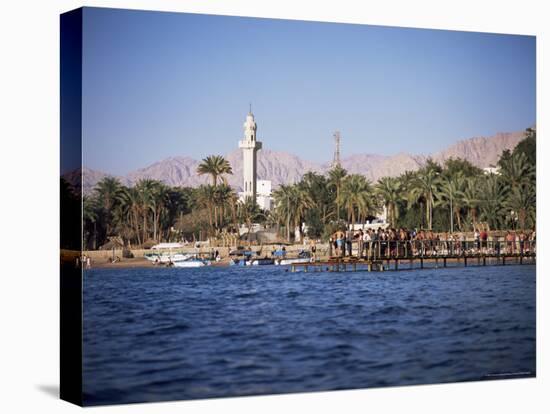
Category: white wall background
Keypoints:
(29, 85)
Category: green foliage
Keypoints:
(428, 198)
(357, 198)
(314, 223)
(249, 213)
(528, 146)
(291, 204)
(411, 217)
(459, 166)
(441, 220)
(332, 227)
(391, 192)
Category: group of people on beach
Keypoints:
(83, 260)
(402, 242)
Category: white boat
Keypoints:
(303, 257)
(164, 258)
(192, 262)
(163, 253)
(261, 262)
(284, 262)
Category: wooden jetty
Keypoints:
(410, 257)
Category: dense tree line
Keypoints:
(454, 196)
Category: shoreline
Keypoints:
(142, 263)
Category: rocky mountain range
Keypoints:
(282, 167)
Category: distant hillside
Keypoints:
(282, 167)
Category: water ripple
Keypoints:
(161, 334)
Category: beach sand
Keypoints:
(139, 262)
(122, 264)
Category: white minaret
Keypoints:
(249, 146)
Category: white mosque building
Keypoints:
(259, 190)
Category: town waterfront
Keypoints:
(169, 333)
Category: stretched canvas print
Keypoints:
(261, 206)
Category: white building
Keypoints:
(260, 190)
(263, 195)
(250, 147)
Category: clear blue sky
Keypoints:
(157, 85)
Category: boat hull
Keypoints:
(262, 262)
(286, 262)
(192, 263)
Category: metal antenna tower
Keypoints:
(336, 159)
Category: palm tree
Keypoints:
(522, 201)
(470, 197)
(449, 193)
(129, 211)
(291, 204)
(283, 197)
(177, 204)
(301, 201)
(492, 197)
(336, 176)
(206, 198)
(356, 197)
(425, 185)
(249, 211)
(232, 202)
(223, 198)
(516, 170)
(215, 166)
(90, 217)
(107, 191)
(145, 189)
(390, 191)
(317, 188)
(158, 200)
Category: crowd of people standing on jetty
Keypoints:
(402, 242)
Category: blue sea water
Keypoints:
(168, 334)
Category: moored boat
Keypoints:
(166, 257)
(262, 261)
(303, 257)
(284, 262)
(192, 262)
(163, 253)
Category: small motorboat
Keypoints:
(192, 261)
(263, 261)
(238, 262)
(285, 262)
(241, 257)
(163, 253)
(166, 258)
(303, 257)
